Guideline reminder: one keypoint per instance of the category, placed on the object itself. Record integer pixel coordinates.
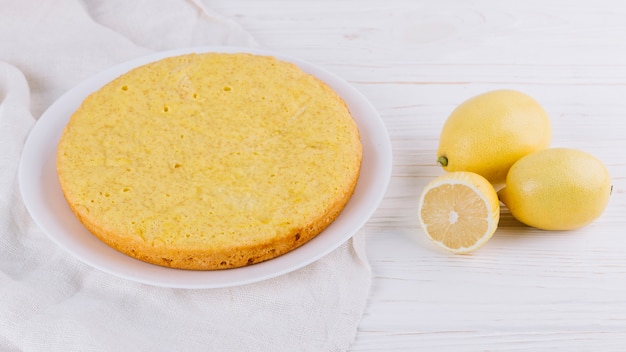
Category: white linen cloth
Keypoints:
(49, 301)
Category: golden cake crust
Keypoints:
(209, 161)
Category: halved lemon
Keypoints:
(459, 211)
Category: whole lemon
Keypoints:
(557, 189)
(486, 134)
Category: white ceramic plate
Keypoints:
(44, 199)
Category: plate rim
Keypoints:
(381, 155)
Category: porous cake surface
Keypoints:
(209, 161)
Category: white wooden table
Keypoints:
(416, 60)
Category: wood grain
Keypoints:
(416, 60)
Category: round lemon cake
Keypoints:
(209, 161)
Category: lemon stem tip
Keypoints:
(442, 160)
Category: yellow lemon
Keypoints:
(459, 211)
(489, 132)
(557, 189)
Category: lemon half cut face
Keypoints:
(459, 211)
